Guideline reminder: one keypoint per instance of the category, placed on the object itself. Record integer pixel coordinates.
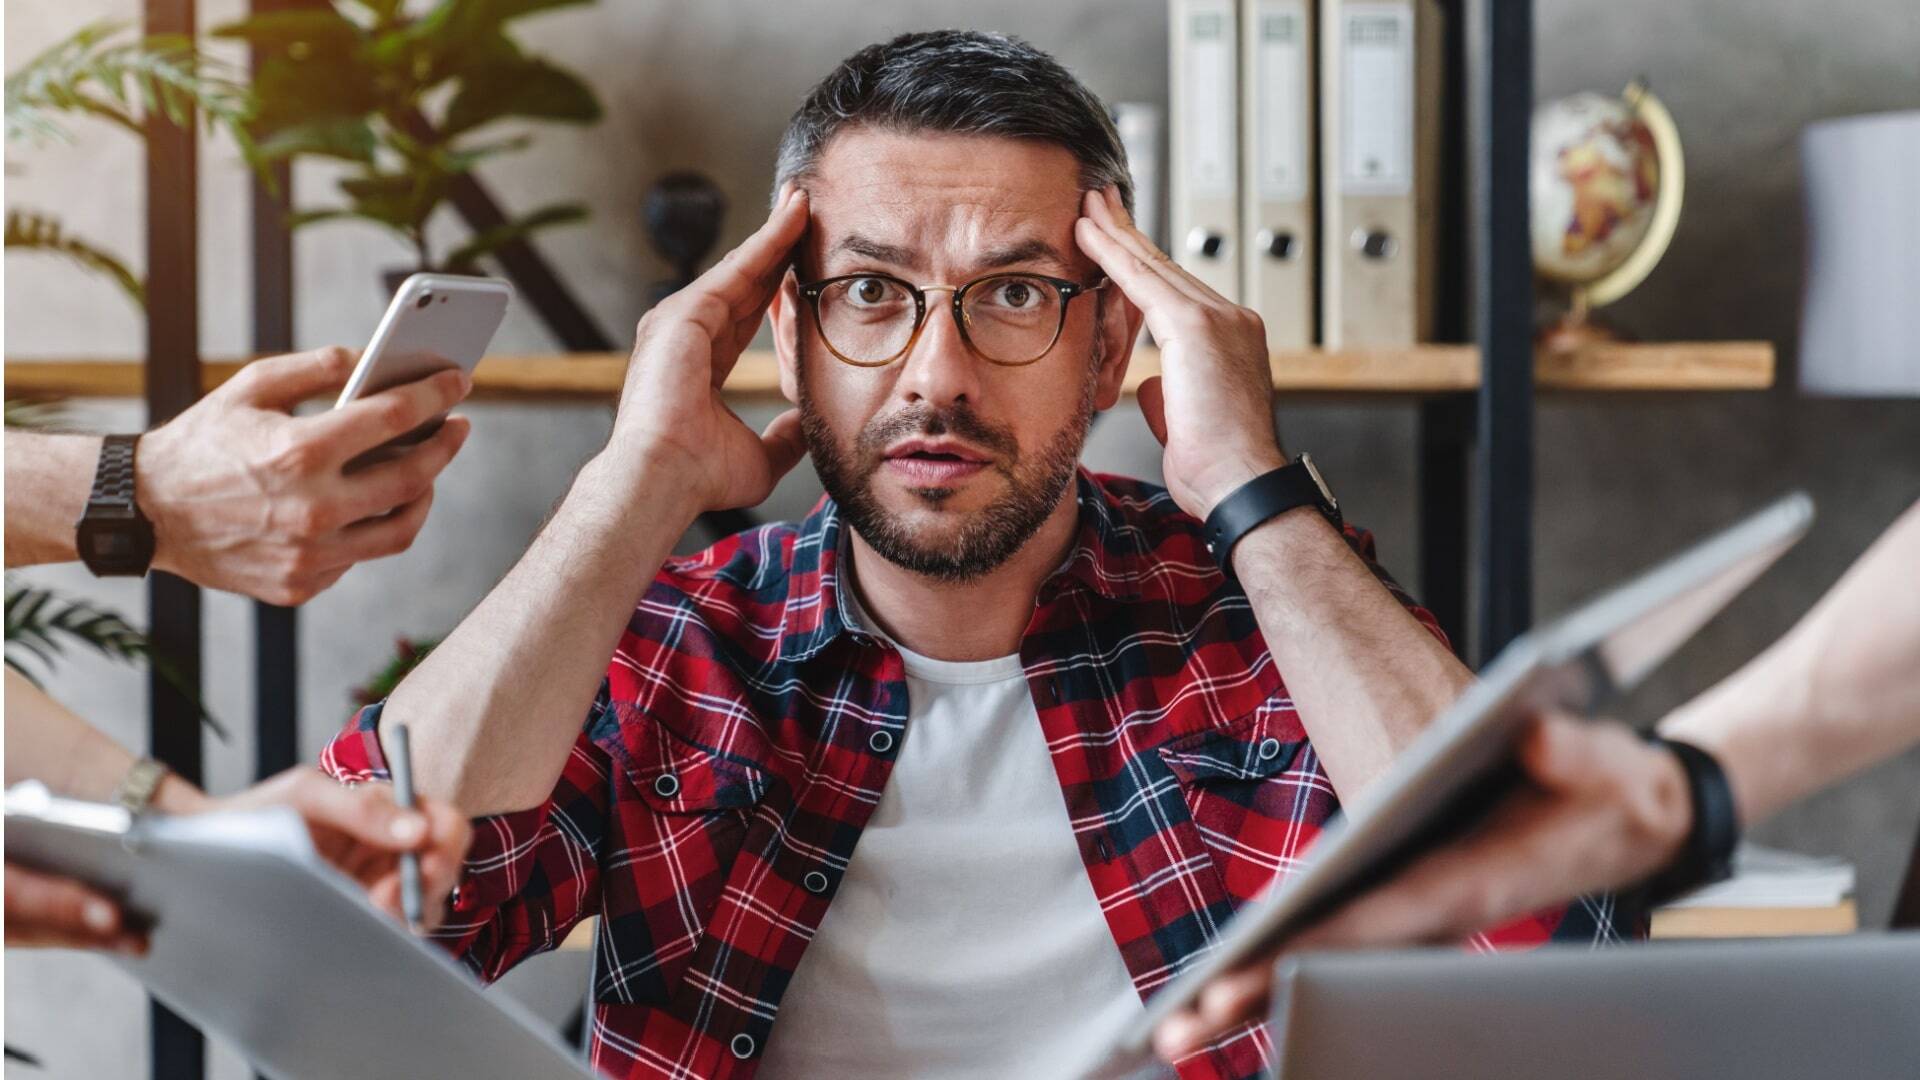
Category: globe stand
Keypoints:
(1576, 328)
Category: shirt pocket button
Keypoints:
(666, 785)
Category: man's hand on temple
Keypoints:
(485, 735)
(1603, 809)
(248, 498)
(1212, 404)
(1364, 675)
(672, 415)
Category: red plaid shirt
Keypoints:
(745, 732)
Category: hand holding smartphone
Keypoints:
(436, 321)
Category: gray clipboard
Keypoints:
(1460, 766)
(259, 941)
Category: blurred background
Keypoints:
(1622, 479)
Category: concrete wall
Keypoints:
(1622, 479)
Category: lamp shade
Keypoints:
(1860, 317)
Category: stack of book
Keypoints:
(1771, 894)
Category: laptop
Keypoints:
(1757, 1010)
(1460, 767)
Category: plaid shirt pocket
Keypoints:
(1256, 793)
(684, 815)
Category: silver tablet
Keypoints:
(259, 941)
(1461, 765)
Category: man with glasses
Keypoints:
(946, 778)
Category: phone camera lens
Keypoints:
(425, 299)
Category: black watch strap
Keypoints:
(113, 537)
(113, 477)
(1707, 854)
(1262, 499)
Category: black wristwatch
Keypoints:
(1707, 854)
(113, 537)
(1263, 498)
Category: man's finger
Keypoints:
(784, 443)
(58, 912)
(1235, 997)
(1224, 1004)
(1561, 754)
(449, 834)
(747, 276)
(365, 813)
(1481, 880)
(281, 382)
(384, 893)
(361, 425)
(1105, 210)
(1178, 1035)
(380, 488)
(391, 534)
(1152, 399)
(1153, 294)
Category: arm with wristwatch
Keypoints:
(235, 493)
(1365, 675)
(1607, 809)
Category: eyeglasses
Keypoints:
(871, 320)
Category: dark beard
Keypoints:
(987, 537)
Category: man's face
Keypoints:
(944, 462)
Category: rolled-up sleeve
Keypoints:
(530, 875)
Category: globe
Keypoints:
(1604, 193)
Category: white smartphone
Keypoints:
(435, 322)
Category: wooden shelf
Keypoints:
(1425, 369)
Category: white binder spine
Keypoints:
(1380, 109)
(1277, 227)
(1205, 167)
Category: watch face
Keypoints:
(110, 545)
(117, 546)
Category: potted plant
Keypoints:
(407, 655)
(405, 101)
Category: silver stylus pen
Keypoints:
(402, 768)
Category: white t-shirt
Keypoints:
(964, 938)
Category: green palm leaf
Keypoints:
(41, 624)
(123, 82)
(42, 413)
(28, 230)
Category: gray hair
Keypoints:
(964, 82)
